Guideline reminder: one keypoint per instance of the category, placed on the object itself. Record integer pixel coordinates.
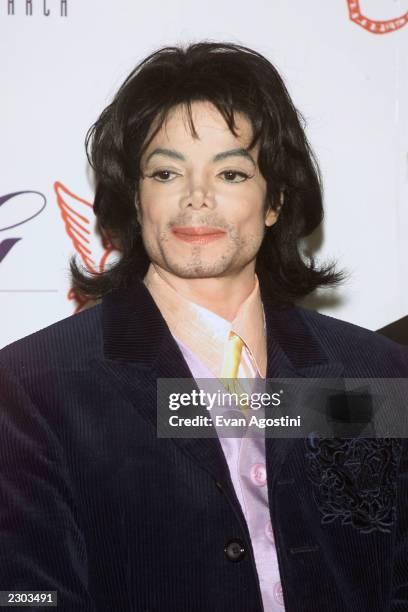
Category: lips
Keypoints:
(198, 235)
(197, 231)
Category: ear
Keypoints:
(271, 217)
(272, 214)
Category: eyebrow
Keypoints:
(167, 153)
(240, 152)
(234, 153)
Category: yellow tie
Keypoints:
(230, 367)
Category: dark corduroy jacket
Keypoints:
(95, 506)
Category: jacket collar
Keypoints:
(134, 330)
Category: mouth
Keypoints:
(198, 235)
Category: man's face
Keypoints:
(211, 184)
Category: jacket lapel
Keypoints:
(294, 351)
(139, 349)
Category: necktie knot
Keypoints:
(232, 356)
(232, 359)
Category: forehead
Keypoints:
(208, 124)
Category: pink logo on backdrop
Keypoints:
(375, 26)
(94, 250)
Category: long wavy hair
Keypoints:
(234, 79)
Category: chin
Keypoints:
(200, 270)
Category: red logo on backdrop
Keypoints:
(95, 250)
(373, 25)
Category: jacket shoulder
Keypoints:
(69, 342)
(349, 342)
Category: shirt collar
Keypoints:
(205, 332)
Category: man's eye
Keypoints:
(235, 176)
(164, 176)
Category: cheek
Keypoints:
(254, 227)
(249, 211)
(153, 209)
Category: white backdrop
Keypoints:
(347, 78)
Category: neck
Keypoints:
(223, 295)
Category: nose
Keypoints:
(199, 194)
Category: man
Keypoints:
(206, 181)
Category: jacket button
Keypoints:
(235, 550)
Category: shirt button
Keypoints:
(235, 550)
(258, 474)
(269, 532)
(277, 593)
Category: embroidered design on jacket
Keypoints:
(354, 480)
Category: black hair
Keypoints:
(234, 79)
